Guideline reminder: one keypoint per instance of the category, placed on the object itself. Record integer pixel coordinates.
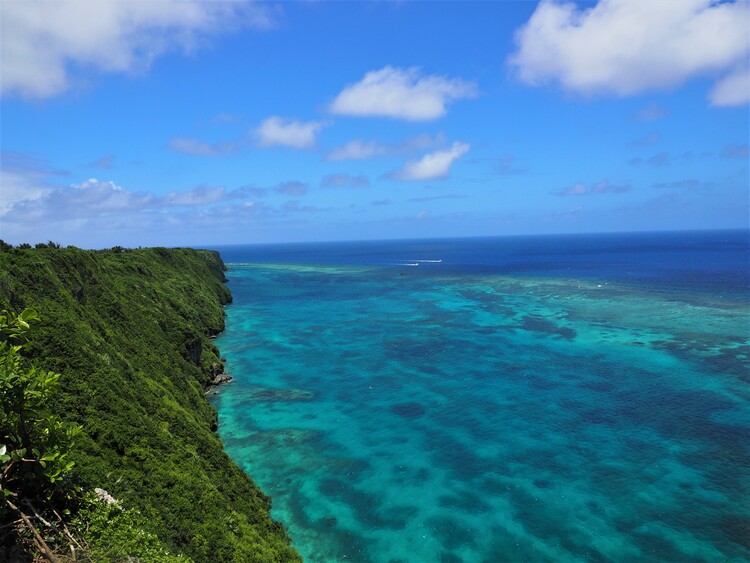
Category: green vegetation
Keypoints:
(34, 444)
(129, 332)
(34, 449)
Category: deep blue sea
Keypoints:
(551, 398)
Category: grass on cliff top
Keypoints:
(130, 333)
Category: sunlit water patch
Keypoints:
(396, 414)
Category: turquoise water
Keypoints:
(399, 413)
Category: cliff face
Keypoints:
(130, 333)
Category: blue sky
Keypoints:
(200, 123)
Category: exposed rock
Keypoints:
(194, 349)
(105, 496)
(221, 378)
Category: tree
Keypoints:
(34, 443)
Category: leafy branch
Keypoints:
(34, 443)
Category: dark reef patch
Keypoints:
(265, 394)
(408, 410)
(545, 326)
(450, 532)
(367, 506)
(465, 502)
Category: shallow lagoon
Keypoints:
(400, 413)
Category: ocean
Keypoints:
(550, 398)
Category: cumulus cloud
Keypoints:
(45, 46)
(624, 47)
(732, 90)
(277, 131)
(401, 93)
(358, 149)
(292, 188)
(89, 198)
(24, 177)
(194, 147)
(71, 213)
(27, 200)
(432, 166)
(345, 181)
(603, 187)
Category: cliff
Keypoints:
(130, 332)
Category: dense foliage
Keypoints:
(130, 333)
(35, 443)
(34, 446)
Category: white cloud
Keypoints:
(432, 166)
(401, 94)
(86, 199)
(732, 90)
(23, 177)
(41, 42)
(33, 204)
(18, 187)
(100, 197)
(625, 47)
(194, 147)
(288, 133)
(362, 150)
